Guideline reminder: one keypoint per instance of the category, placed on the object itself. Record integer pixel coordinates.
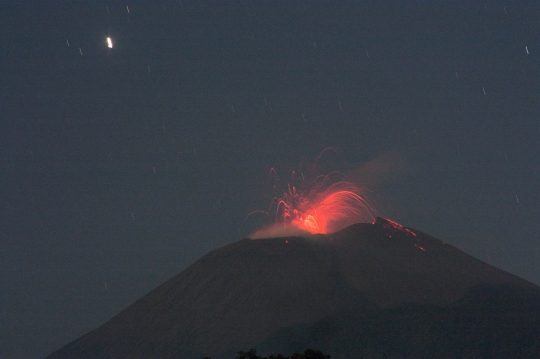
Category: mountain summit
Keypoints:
(372, 290)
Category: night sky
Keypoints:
(120, 167)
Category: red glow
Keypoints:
(314, 203)
(395, 225)
(326, 211)
(388, 223)
(410, 232)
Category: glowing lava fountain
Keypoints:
(337, 207)
(325, 205)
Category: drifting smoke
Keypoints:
(280, 230)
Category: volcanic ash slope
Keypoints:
(367, 290)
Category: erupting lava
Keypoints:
(324, 205)
(329, 210)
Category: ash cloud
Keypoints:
(380, 171)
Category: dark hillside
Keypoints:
(368, 290)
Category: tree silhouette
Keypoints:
(308, 354)
(250, 354)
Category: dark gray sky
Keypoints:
(120, 167)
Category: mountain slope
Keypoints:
(367, 289)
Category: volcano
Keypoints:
(370, 290)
